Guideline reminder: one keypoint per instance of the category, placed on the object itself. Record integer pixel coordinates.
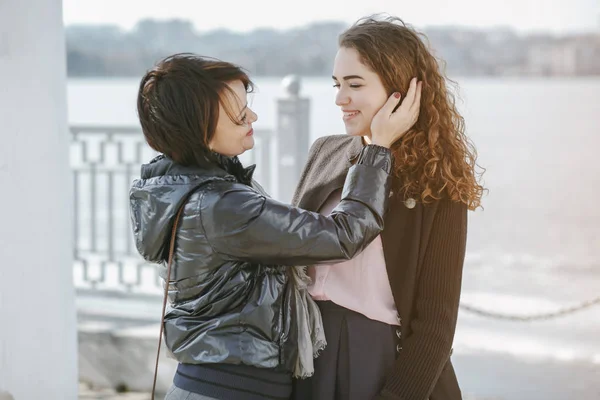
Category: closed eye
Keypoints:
(353, 85)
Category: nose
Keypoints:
(341, 98)
(253, 117)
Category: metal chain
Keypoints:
(533, 317)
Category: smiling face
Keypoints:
(234, 136)
(360, 92)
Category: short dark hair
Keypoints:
(178, 104)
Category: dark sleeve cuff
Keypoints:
(376, 156)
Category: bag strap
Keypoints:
(164, 305)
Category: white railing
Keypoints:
(104, 161)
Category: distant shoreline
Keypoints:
(99, 51)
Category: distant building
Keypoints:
(553, 58)
(588, 55)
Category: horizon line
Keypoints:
(499, 27)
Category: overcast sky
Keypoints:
(559, 16)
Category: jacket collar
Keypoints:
(219, 166)
(233, 166)
(312, 194)
(354, 149)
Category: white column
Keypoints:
(38, 333)
(293, 120)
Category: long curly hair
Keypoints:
(435, 159)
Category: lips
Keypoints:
(349, 114)
(250, 132)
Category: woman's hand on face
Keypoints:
(388, 125)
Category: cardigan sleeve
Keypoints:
(425, 352)
(308, 167)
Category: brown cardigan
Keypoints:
(424, 249)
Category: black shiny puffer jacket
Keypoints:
(233, 247)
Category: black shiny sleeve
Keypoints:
(241, 224)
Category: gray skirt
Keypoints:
(353, 366)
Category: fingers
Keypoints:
(391, 103)
(409, 98)
(412, 90)
(408, 113)
(417, 99)
(416, 105)
(412, 100)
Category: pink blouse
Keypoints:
(360, 284)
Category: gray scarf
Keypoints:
(306, 325)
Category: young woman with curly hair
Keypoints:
(390, 313)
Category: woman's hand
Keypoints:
(388, 125)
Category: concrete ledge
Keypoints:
(126, 357)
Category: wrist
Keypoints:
(380, 142)
(376, 156)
